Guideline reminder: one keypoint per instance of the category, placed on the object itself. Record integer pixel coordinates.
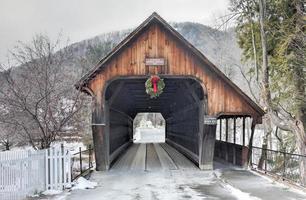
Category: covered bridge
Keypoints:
(196, 95)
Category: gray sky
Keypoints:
(81, 19)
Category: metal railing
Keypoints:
(81, 162)
(282, 164)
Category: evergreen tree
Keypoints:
(272, 35)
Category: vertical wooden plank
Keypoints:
(234, 130)
(65, 167)
(220, 129)
(56, 172)
(69, 167)
(226, 130)
(60, 168)
(208, 145)
(243, 131)
(52, 169)
(47, 168)
(28, 169)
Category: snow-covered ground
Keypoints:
(141, 177)
(73, 147)
(149, 135)
(181, 184)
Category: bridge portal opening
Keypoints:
(182, 105)
(149, 128)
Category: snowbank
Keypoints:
(83, 184)
(52, 192)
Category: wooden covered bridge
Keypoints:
(197, 96)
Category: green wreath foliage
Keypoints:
(149, 88)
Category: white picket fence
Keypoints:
(24, 173)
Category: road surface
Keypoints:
(159, 172)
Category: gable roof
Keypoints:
(156, 18)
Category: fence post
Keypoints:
(80, 150)
(89, 156)
(48, 169)
(266, 160)
(62, 167)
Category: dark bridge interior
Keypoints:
(181, 104)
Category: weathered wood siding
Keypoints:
(158, 42)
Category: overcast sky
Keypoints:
(81, 19)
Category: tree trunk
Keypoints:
(265, 88)
(265, 69)
(7, 146)
(268, 130)
(254, 50)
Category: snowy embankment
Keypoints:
(73, 147)
(79, 184)
(83, 184)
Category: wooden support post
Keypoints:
(207, 144)
(243, 131)
(207, 138)
(234, 146)
(251, 142)
(220, 129)
(226, 139)
(100, 135)
(226, 130)
(234, 130)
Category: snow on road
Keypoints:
(159, 172)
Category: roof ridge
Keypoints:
(154, 15)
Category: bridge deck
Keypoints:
(150, 157)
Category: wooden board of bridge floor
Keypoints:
(150, 157)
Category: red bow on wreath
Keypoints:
(154, 81)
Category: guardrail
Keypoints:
(81, 162)
(282, 164)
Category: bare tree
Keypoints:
(37, 97)
(8, 136)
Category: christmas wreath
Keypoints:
(154, 86)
